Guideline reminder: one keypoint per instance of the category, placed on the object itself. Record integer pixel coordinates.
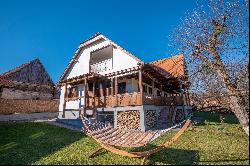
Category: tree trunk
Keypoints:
(239, 113)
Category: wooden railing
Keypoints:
(132, 99)
(161, 100)
(115, 100)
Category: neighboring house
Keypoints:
(110, 84)
(27, 81)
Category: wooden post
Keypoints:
(116, 86)
(85, 96)
(101, 89)
(112, 86)
(65, 96)
(162, 94)
(153, 86)
(140, 86)
(94, 92)
(107, 89)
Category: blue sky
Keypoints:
(51, 30)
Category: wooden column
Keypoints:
(153, 86)
(64, 102)
(107, 89)
(116, 86)
(162, 94)
(112, 86)
(94, 91)
(85, 96)
(101, 89)
(140, 86)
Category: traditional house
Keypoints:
(108, 83)
(27, 81)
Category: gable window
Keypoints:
(101, 59)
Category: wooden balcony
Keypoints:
(115, 100)
(161, 101)
(132, 99)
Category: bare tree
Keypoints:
(214, 35)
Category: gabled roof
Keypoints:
(18, 68)
(10, 76)
(173, 65)
(95, 37)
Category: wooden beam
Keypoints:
(116, 85)
(101, 89)
(162, 93)
(153, 86)
(112, 86)
(140, 86)
(94, 91)
(85, 96)
(64, 100)
(107, 89)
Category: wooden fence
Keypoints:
(10, 106)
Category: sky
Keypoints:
(52, 30)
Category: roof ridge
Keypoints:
(18, 68)
(93, 36)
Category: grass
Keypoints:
(41, 143)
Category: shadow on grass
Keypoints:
(217, 117)
(175, 157)
(217, 161)
(27, 142)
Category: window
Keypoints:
(101, 59)
(121, 87)
(72, 92)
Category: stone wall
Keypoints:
(10, 106)
(11, 93)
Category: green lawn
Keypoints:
(41, 143)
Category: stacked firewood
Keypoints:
(150, 119)
(128, 120)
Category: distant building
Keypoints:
(27, 81)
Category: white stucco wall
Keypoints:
(121, 60)
(75, 104)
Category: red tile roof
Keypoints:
(173, 65)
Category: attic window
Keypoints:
(101, 59)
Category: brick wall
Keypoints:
(10, 106)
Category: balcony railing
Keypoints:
(132, 99)
(115, 100)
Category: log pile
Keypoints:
(150, 119)
(128, 120)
